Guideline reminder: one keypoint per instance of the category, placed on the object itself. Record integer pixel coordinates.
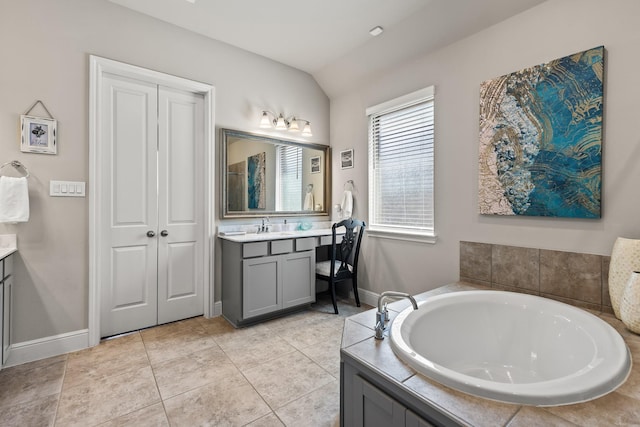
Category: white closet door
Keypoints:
(128, 259)
(181, 208)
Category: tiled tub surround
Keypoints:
(570, 277)
(619, 408)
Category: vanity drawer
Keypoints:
(326, 240)
(281, 246)
(254, 249)
(305, 244)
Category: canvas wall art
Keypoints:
(256, 185)
(541, 139)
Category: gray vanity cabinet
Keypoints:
(263, 279)
(298, 278)
(261, 286)
(6, 316)
(6, 297)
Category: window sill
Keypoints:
(402, 235)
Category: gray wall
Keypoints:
(44, 52)
(551, 30)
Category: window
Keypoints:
(289, 175)
(401, 167)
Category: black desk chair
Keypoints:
(343, 264)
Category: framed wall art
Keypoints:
(315, 164)
(38, 135)
(541, 139)
(346, 159)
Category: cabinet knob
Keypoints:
(151, 233)
(164, 233)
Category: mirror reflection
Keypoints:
(264, 175)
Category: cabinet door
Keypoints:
(6, 317)
(374, 408)
(261, 286)
(2, 358)
(298, 281)
(413, 420)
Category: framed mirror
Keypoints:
(269, 176)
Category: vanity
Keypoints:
(7, 248)
(269, 269)
(265, 275)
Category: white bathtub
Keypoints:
(512, 347)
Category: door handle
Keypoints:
(150, 233)
(164, 233)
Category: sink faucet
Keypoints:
(382, 315)
(264, 228)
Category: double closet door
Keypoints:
(151, 250)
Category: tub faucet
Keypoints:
(382, 315)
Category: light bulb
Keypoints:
(265, 122)
(293, 125)
(306, 131)
(280, 124)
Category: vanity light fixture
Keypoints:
(279, 122)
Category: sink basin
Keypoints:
(512, 347)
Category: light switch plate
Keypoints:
(67, 188)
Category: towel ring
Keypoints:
(348, 186)
(16, 164)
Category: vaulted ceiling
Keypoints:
(330, 38)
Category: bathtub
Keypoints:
(512, 347)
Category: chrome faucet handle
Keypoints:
(380, 325)
(382, 315)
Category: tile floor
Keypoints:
(196, 372)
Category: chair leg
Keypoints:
(332, 287)
(354, 280)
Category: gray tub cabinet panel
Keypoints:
(368, 399)
(261, 280)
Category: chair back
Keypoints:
(347, 252)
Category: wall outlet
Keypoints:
(66, 188)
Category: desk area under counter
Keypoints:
(265, 275)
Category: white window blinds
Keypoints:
(401, 145)
(289, 188)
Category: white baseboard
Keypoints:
(41, 348)
(217, 308)
(366, 297)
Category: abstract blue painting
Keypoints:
(256, 181)
(541, 139)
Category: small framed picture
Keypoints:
(346, 159)
(315, 164)
(38, 135)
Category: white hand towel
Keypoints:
(347, 204)
(14, 199)
(308, 202)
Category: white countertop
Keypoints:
(278, 235)
(8, 245)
